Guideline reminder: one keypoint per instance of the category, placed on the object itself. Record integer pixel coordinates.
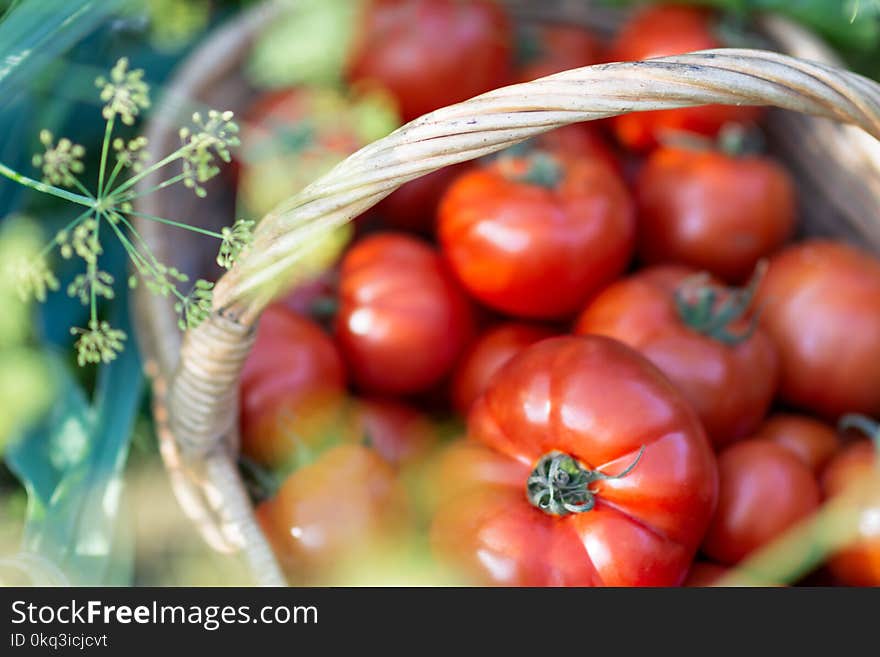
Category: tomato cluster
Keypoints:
(598, 358)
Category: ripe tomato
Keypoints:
(820, 303)
(292, 385)
(559, 48)
(489, 354)
(581, 140)
(432, 53)
(855, 473)
(592, 470)
(658, 31)
(413, 207)
(535, 236)
(402, 320)
(672, 318)
(397, 432)
(340, 508)
(812, 441)
(764, 490)
(291, 137)
(713, 211)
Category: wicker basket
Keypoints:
(195, 376)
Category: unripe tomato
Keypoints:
(820, 304)
(855, 474)
(673, 317)
(658, 31)
(764, 490)
(536, 236)
(339, 508)
(713, 211)
(292, 136)
(487, 355)
(811, 440)
(292, 385)
(587, 468)
(432, 53)
(402, 320)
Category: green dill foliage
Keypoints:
(108, 211)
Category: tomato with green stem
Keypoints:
(488, 354)
(713, 211)
(820, 304)
(811, 440)
(292, 387)
(658, 31)
(432, 53)
(534, 236)
(855, 472)
(700, 335)
(585, 467)
(402, 321)
(764, 490)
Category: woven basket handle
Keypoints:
(201, 395)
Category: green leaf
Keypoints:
(34, 31)
(71, 466)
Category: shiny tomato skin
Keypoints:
(292, 384)
(488, 354)
(811, 440)
(854, 471)
(764, 490)
(346, 503)
(820, 304)
(532, 251)
(659, 31)
(432, 53)
(730, 387)
(713, 211)
(599, 402)
(402, 320)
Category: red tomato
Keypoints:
(339, 508)
(593, 470)
(812, 441)
(432, 53)
(764, 490)
(855, 473)
(659, 31)
(713, 211)
(729, 377)
(820, 303)
(536, 236)
(413, 207)
(488, 355)
(560, 48)
(402, 320)
(397, 432)
(581, 140)
(292, 385)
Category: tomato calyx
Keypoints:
(560, 486)
(537, 168)
(710, 309)
(865, 425)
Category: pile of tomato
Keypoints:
(599, 358)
